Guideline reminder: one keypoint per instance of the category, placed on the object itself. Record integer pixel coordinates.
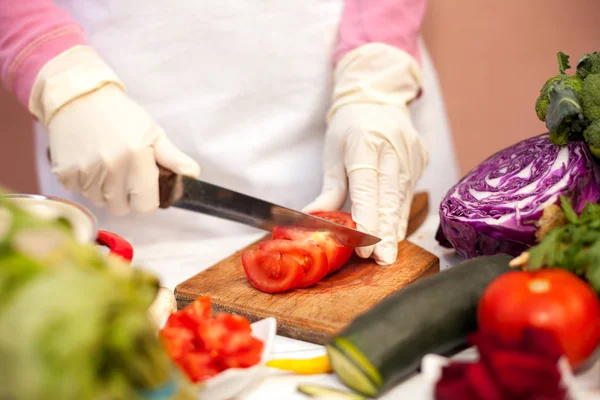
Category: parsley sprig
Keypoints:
(575, 246)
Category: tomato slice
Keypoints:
(343, 253)
(310, 256)
(271, 272)
(339, 217)
(337, 255)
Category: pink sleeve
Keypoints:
(32, 32)
(393, 22)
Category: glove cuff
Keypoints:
(375, 73)
(71, 74)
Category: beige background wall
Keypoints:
(492, 58)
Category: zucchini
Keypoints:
(322, 392)
(433, 315)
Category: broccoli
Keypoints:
(574, 82)
(592, 138)
(588, 64)
(590, 97)
(541, 105)
(564, 117)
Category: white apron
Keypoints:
(243, 88)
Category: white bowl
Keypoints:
(233, 381)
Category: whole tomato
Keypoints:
(552, 299)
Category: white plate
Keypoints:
(233, 381)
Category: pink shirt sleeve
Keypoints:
(32, 32)
(393, 22)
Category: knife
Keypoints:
(195, 195)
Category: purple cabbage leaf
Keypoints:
(494, 208)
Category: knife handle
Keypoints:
(167, 184)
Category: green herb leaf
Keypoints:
(568, 210)
(563, 62)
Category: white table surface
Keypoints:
(194, 257)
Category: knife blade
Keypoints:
(195, 195)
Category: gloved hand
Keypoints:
(372, 152)
(102, 143)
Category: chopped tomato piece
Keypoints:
(194, 313)
(234, 322)
(203, 345)
(311, 258)
(179, 320)
(199, 366)
(272, 272)
(247, 356)
(199, 310)
(177, 342)
(212, 335)
(236, 342)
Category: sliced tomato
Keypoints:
(339, 217)
(199, 366)
(342, 253)
(177, 342)
(233, 322)
(310, 256)
(271, 272)
(337, 255)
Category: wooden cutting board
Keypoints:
(317, 313)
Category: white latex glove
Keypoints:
(102, 143)
(372, 152)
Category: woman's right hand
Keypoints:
(102, 143)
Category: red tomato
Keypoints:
(245, 356)
(199, 366)
(342, 253)
(271, 272)
(337, 255)
(199, 310)
(339, 217)
(310, 257)
(203, 345)
(211, 335)
(180, 320)
(552, 299)
(233, 322)
(177, 342)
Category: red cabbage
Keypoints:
(495, 206)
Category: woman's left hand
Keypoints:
(373, 153)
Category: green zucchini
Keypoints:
(328, 393)
(433, 315)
